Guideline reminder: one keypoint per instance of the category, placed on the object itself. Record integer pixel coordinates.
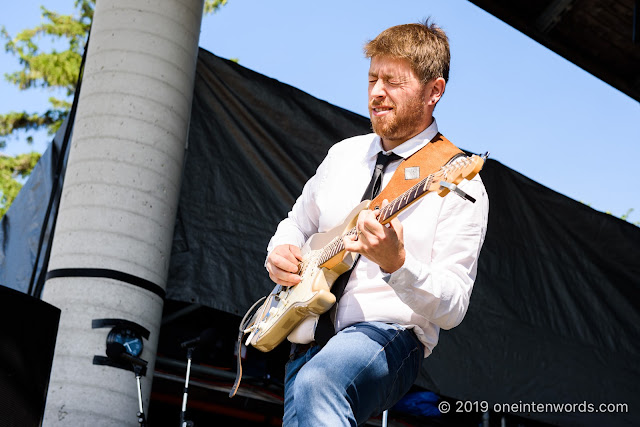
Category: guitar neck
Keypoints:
(387, 213)
(462, 168)
(452, 173)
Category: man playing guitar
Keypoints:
(415, 274)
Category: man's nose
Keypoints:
(377, 90)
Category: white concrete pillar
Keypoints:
(110, 254)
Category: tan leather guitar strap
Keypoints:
(416, 167)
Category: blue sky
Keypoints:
(533, 110)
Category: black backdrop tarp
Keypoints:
(25, 230)
(554, 310)
(253, 143)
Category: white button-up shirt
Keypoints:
(442, 238)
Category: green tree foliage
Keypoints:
(626, 217)
(11, 170)
(47, 68)
(55, 68)
(211, 6)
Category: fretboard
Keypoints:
(405, 199)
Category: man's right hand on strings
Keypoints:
(282, 265)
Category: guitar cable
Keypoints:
(244, 324)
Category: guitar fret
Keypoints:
(389, 212)
(428, 183)
(426, 186)
(415, 189)
(407, 199)
(336, 247)
(328, 252)
(393, 206)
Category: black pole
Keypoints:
(36, 284)
(636, 23)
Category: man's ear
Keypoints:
(435, 91)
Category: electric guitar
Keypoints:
(324, 259)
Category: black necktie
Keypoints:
(325, 329)
(373, 189)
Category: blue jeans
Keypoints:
(363, 370)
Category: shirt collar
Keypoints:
(408, 147)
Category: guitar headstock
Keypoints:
(455, 172)
(443, 181)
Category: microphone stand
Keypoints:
(137, 369)
(117, 352)
(207, 336)
(183, 421)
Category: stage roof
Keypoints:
(600, 36)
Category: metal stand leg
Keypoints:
(183, 422)
(141, 419)
(385, 416)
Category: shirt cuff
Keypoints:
(408, 274)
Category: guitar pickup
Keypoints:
(455, 189)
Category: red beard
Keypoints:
(400, 123)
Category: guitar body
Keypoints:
(286, 307)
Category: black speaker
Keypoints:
(28, 330)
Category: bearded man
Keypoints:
(414, 275)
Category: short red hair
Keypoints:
(425, 46)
